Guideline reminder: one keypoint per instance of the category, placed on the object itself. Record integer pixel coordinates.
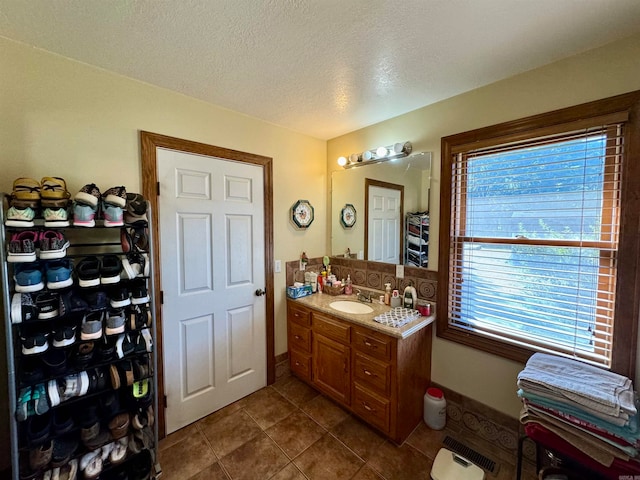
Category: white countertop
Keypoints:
(321, 301)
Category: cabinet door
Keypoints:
(331, 368)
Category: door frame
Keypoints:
(372, 182)
(149, 142)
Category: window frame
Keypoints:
(625, 108)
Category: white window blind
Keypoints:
(533, 242)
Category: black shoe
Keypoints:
(97, 300)
(62, 421)
(71, 302)
(64, 336)
(88, 272)
(139, 293)
(119, 296)
(55, 361)
(110, 269)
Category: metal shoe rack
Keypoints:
(95, 241)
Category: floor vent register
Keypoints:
(470, 454)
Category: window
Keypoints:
(535, 218)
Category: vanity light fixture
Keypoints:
(378, 155)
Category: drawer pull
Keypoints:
(367, 372)
(297, 364)
(367, 407)
(369, 344)
(297, 337)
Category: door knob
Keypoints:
(260, 292)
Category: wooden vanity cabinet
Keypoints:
(380, 378)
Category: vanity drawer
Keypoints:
(373, 343)
(372, 373)
(331, 328)
(299, 337)
(300, 364)
(372, 408)
(298, 314)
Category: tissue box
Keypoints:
(298, 292)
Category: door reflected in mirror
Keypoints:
(348, 186)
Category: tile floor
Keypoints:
(288, 431)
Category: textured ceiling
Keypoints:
(321, 67)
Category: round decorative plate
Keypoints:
(302, 213)
(348, 216)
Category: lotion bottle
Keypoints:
(408, 298)
(348, 288)
(387, 293)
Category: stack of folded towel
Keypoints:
(591, 409)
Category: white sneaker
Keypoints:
(56, 217)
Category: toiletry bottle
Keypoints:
(387, 293)
(320, 284)
(408, 298)
(348, 288)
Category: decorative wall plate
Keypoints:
(302, 213)
(348, 216)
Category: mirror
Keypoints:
(348, 187)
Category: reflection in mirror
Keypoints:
(348, 187)
(384, 204)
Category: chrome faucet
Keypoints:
(363, 297)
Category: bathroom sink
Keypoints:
(346, 306)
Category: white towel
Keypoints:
(397, 317)
(584, 384)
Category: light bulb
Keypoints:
(342, 161)
(355, 158)
(367, 155)
(382, 152)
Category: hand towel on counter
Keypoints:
(398, 316)
(584, 384)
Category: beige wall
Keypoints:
(60, 117)
(599, 73)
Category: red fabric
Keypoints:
(544, 437)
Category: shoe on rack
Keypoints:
(40, 456)
(62, 421)
(88, 272)
(47, 305)
(20, 216)
(121, 374)
(40, 400)
(53, 189)
(115, 322)
(96, 299)
(64, 336)
(139, 293)
(135, 210)
(88, 195)
(22, 247)
(119, 450)
(53, 245)
(116, 196)
(84, 354)
(71, 302)
(59, 274)
(92, 326)
(63, 449)
(23, 404)
(23, 308)
(28, 277)
(135, 264)
(110, 268)
(112, 215)
(91, 464)
(139, 316)
(35, 343)
(55, 361)
(26, 190)
(106, 350)
(143, 341)
(97, 379)
(38, 429)
(119, 296)
(124, 345)
(84, 215)
(56, 217)
(119, 426)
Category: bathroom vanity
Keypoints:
(379, 373)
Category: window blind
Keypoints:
(533, 241)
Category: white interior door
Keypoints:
(212, 262)
(384, 225)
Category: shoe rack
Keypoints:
(92, 419)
